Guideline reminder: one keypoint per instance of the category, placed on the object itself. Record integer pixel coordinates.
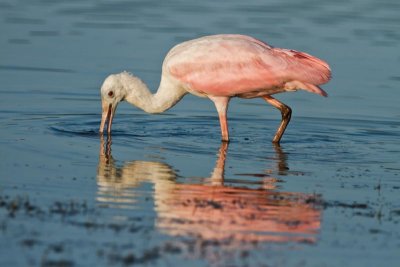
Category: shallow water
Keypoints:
(163, 190)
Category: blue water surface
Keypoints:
(163, 190)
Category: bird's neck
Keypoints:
(138, 94)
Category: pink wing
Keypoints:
(229, 65)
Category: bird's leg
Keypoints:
(286, 115)
(221, 103)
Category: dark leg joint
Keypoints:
(286, 112)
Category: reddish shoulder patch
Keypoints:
(299, 55)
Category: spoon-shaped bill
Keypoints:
(106, 115)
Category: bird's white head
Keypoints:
(112, 92)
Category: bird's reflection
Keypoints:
(211, 210)
(116, 185)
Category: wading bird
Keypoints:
(220, 67)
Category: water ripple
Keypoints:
(39, 69)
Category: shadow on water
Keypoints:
(230, 216)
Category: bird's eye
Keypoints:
(111, 94)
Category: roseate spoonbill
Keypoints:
(220, 67)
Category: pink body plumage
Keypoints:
(237, 65)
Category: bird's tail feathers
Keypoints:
(312, 88)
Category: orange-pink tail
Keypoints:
(314, 89)
(295, 85)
